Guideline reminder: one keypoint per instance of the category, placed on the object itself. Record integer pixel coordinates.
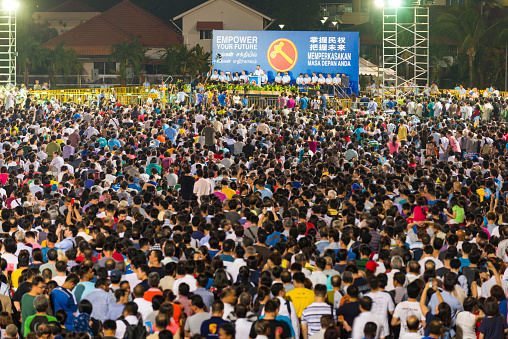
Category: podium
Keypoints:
(256, 79)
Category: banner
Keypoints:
(293, 51)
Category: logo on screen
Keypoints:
(282, 55)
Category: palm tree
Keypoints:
(128, 54)
(180, 60)
(60, 61)
(467, 26)
(440, 61)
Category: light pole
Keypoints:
(8, 52)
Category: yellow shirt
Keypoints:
(301, 298)
(228, 192)
(15, 277)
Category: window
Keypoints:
(205, 35)
(105, 68)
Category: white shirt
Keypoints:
(212, 77)
(406, 309)
(189, 280)
(233, 268)
(120, 326)
(491, 282)
(307, 80)
(314, 79)
(321, 80)
(144, 307)
(382, 303)
(258, 72)
(328, 80)
(318, 277)
(412, 335)
(286, 79)
(466, 326)
(243, 327)
(300, 80)
(359, 325)
(278, 79)
(336, 80)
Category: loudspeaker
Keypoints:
(95, 74)
(345, 81)
(312, 92)
(129, 71)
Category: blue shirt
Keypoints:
(114, 142)
(450, 300)
(65, 244)
(222, 99)
(115, 312)
(170, 133)
(62, 298)
(102, 302)
(210, 327)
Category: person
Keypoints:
(300, 296)
(63, 298)
(198, 316)
(364, 317)
(209, 327)
(102, 300)
(41, 304)
(311, 315)
(27, 300)
(129, 319)
(122, 297)
(493, 326)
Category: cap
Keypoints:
(371, 265)
(115, 274)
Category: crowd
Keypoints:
(293, 221)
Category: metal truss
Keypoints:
(406, 48)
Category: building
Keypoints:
(93, 39)
(198, 23)
(65, 16)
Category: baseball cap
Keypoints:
(115, 274)
(371, 266)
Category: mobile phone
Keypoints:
(431, 280)
(72, 202)
(269, 209)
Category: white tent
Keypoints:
(368, 68)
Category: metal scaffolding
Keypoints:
(8, 51)
(406, 47)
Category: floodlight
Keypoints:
(334, 23)
(281, 26)
(325, 18)
(379, 3)
(10, 5)
(394, 3)
(323, 21)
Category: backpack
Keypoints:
(134, 331)
(485, 149)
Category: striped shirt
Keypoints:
(312, 316)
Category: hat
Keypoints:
(371, 266)
(115, 274)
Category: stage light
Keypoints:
(10, 5)
(325, 18)
(281, 26)
(379, 3)
(394, 3)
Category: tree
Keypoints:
(181, 60)
(128, 54)
(440, 61)
(61, 61)
(467, 26)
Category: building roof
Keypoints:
(72, 6)
(237, 2)
(116, 25)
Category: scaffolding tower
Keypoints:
(8, 51)
(406, 48)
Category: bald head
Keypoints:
(139, 291)
(413, 323)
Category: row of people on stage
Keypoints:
(281, 78)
